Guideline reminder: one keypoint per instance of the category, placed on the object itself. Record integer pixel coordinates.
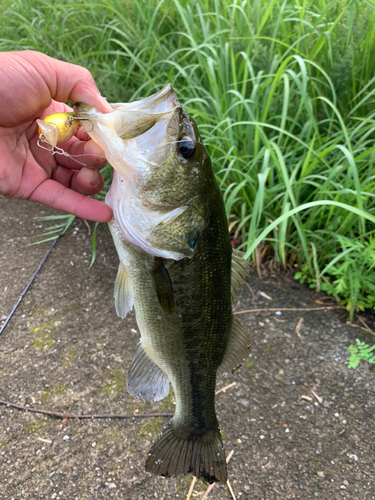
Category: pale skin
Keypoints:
(33, 85)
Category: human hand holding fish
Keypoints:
(33, 85)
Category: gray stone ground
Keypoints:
(66, 350)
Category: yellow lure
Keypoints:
(57, 128)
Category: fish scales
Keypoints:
(171, 235)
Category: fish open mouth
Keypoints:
(136, 134)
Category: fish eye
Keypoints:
(186, 147)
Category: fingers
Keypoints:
(31, 79)
(72, 83)
(85, 181)
(53, 194)
(81, 153)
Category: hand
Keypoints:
(33, 85)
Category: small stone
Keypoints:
(342, 487)
(321, 474)
(344, 422)
(244, 402)
(66, 438)
(93, 444)
(110, 486)
(337, 415)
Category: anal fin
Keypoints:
(123, 296)
(238, 348)
(145, 379)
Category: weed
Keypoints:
(360, 352)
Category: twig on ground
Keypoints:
(223, 389)
(274, 309)
(322, 299)
(251, 290)
(191, 488)
(357, 326)
(56, 414)
(298, 327)
(230, 489)
(48, 441)
(88, 227)
(318, 398)
(265, 295)
(367, 328)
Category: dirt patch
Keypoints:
(66, 350)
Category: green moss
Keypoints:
(36, 426)
(51, 392)
(74, 307)
(115, 383)
(39, 311)
(151, 427)
(43, 334)
(167, 403)
(248, 363)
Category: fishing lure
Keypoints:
(56, 129)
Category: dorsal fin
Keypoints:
(238, 349)
(145, 378)
(240, 269)
(123, 296)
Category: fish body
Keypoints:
(176, 269)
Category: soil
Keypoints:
(66, 350)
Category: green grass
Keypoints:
(282, 92)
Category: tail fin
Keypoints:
(174, 453)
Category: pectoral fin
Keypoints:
(123, 296)
(145, 379)
(238, 349)
(163, 285)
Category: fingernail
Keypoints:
(95, 179)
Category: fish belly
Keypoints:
(187, 346)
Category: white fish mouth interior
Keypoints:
(146, 151)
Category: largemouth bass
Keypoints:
(177, 269)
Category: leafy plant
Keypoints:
(360, 352)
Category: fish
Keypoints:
(177, 269)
